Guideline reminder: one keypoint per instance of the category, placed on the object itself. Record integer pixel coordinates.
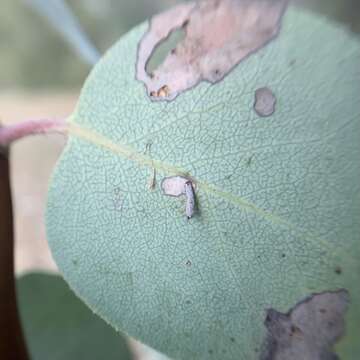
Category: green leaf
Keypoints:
(58, 326)
(278, 196)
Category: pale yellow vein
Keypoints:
(162, 167)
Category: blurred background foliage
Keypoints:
(33, 55)
(59, 326)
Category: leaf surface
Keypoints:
(278, 197)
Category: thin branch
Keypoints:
(12, 344)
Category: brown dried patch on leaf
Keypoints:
(265, 102)
(307, 331)
(218, 35)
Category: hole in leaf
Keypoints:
(163, 49)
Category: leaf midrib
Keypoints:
(142, 159)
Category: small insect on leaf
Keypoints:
(190, 200)
(180, 186)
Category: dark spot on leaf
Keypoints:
(217, 74)
(148, 146)
(75, 261)
(232, 339)
(294, 330)
(152, 180)
(309, 330)
(292, 62)
(283, 255)
(188, 302)
(211, 352)
(330, 324)
(185, 23)
(249, 160)
(163, 92)
(264, 102)
(338, 270)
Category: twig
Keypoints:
(12, 344)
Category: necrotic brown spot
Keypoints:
(264, 102)
(309, 330)
(218, 35)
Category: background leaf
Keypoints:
(59, 326)
(278, 197)
(62, 19)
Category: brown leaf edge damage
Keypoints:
(218, 35)
(12, 345)
(309, 330)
